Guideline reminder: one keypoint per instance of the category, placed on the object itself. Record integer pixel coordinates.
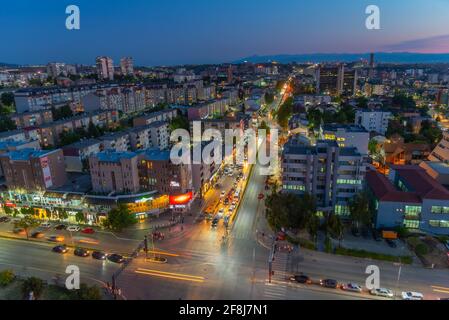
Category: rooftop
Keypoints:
(346, 127)
(108, 156)
(27, 154)
(155, 154)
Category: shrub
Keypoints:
(373, 255)
(34, 285)
(421, 249)
(6, 278)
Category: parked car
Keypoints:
(88, 231)
(80, 252)
(391, 243)
(56, 238)
(116, 258)
(61, 227)
(19, 231)
(73, 228)
(99, 255)
(409, 295)
(46, 225)
(222, 194)
(226, 201)
(301, 278)
(60, 249)
(329, 283)
(261, 196)
(382, 292)
(5, 219)
(353, 287)
(37, 235)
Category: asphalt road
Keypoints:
(37, 259)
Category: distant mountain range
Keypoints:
(380, 57)
(8, 65)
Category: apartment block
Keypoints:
(32, 169)
(373, 120)
(114, 172)
(331, 173)
(347, 136)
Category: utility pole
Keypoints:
(145, 243)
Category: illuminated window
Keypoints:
(440, 210)
(412, 211)
(411, 224)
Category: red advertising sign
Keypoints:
(181, 199)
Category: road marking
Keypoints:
(170, 275)
(440, 289)
(164, 253)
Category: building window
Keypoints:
(412, 211)
(439, 223)
(411, 224)
(342, 210)
(440, 210)
(349, 181)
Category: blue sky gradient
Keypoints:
(163, 32)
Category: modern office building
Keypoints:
(331, 173)
(373, 120)
(105, 68)
(409, 197)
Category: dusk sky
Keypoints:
(210, 31)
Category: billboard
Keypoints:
(180, 200)
(46, 172)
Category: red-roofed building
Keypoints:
(409, 197)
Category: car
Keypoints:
(214, 223)
(222, 194)
(234, 203)
(60, 249)
(61, 227)
(5, 219)
(46, 225)
(301, 278)
(19, 231)
(56, 238)
(99, 255)
(410, 295)
(116, 258)
(220, 212)
(382, 292)
(88, 231)
(37, 235)
(261, 196)
(73, 228)
(230, 210)
(80, 252)
(391, 243)
(226, 201)
(232, 207)
(329, 283)
(353, 287)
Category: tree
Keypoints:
(313, 224)
(80, 217)
(315, 118)
(88, 293)
(269, 98)
(63, 214)
(362, 102)
(34, 285)
(6, 277)
(7, 210)
(62, 112)
(27, 223)
(119, 218)
(7, 98)
(359, 209)
(93, 131)
(284, 113)
(179, 122)
(335, 227)
(6, 124)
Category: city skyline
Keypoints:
(211, 31)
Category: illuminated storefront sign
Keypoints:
(181, 200)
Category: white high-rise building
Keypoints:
(441, 151)
(127, 66)
(373, 120)
(105, 68)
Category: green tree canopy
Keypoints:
(119, 218)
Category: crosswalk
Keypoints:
(277, 289)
